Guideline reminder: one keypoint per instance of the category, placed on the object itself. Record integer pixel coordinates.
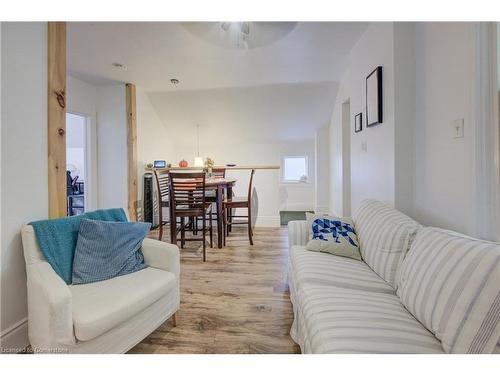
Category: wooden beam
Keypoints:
(131, 150)
(56, 54)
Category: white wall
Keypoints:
(112, 147)
(24, 194)
(412, 160)
(251, 126)
(154, 141)
(336, 151)
(373, 170)
(404, 116)
(322, 153)
(105, 106)
(445, 165)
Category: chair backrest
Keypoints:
(250, 187)
(219, 172)
(70, 183)
(162, 185)
(162, 189)
(187, 189)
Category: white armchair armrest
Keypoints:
(161, 255)
(49, 309)
(298, 233)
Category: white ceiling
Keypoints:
(258, 114)
(156, 52)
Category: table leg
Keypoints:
(219, 216)
(229, 195)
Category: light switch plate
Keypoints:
(458, 128)
(364, 146)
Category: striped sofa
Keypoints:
(417, 290)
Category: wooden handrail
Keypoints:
(237, 167)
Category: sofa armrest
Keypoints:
(298, 233)
(161, 255)
(49, 309)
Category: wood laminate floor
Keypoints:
(236, 302)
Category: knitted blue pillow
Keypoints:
(57, 238)
(105, 250)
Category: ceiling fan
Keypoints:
(240, 35)
(242, 30)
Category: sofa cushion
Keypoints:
(384, 235)
(451, 283)
(325, 269)
(334, 235)
(101, 306)
(338, 320)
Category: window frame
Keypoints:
(283, 181)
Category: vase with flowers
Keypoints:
(209, 164)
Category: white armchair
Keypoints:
(110, 316)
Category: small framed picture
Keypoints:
(358, 122)
(159, 163)
(374, 97)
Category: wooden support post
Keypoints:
(131, 150)
(56, 54)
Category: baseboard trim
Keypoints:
(322, 210)
(14, 339)
(298, 207)
(268, 221)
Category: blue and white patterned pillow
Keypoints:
(333, 235)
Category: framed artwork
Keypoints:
(358, 122)
(159, 163)
(374, 92)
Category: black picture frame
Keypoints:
(358, 122)
(374, 95)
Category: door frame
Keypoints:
(90, 151)
(346, 157)
(486, 133)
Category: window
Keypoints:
(294, 169)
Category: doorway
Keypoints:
(346, 158)
(77, 173)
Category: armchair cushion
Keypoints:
(108, 249)
(101, 306)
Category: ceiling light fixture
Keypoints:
(119, 66)
(240, 35)
(198, 160)
(238, 30)
(174, 81)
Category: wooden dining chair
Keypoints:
(212, 195)
(219, 172)
(231, 203)
(188, 201)
(163, 199)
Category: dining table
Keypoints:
(220, 185)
